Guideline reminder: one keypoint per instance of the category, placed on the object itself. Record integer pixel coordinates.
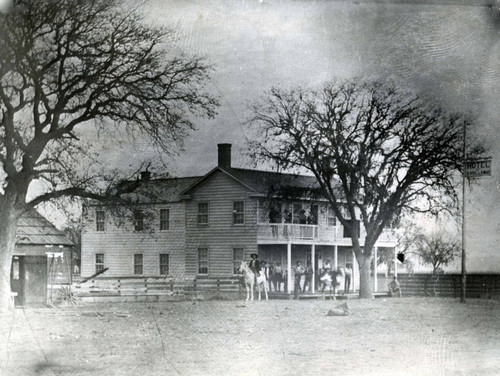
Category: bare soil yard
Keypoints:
(408, 336)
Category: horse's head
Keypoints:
(243, 267)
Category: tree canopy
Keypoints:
(375, 150)
(71, 68)
(69, 64)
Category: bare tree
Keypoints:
(375, 152)
(71, 65)
(437, 249)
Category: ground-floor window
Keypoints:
(164, 264)
(237, 259)
(202, 260)
(99, 262)
(138, 263)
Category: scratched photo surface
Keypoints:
(446, 51)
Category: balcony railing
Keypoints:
(287, 231)
(290, 231)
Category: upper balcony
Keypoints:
(285, 232)
(282, 233)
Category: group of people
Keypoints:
(303, 277)
(276, 275)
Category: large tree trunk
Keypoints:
(365, 286)
(8, 225)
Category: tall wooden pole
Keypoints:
(464, 272)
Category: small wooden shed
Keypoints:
(41, 260)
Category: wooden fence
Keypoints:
(449, 285)
(156, 289)
(486, 286)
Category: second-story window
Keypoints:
(202, 213)
(99, 220)
(138, 220)
(164, 219)
(238, 212)
(331, 219)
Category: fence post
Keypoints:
(218, 285)
(119, 287)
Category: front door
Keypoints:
(17, 279)
(36, 280)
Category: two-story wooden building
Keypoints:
(202, 227)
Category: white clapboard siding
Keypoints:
(120, 243)
(220, 236)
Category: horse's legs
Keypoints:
(251, 291)
(265, 291)
(248, 292)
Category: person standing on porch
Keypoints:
(265, 269)
(308, 279)
(347, 278)
(327, 266)
(299, 272)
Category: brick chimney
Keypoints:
(224, 155)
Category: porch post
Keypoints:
(289, 267)
(313, 263)
(395, 262)
(336, 257)
(355, 267)
(375, 258)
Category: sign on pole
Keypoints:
(478, 167)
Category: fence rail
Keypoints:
(449, 285)
(160, 288)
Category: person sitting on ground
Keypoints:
(394, 287)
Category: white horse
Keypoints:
(249, 279)
(329, 279)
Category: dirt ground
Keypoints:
(407, 336)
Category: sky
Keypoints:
(449, 52)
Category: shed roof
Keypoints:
(33, 228)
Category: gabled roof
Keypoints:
(260, 182)
(34, 229)
(161, 190)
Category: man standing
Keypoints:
(299, 272)
(308, 280)
(347, 278)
